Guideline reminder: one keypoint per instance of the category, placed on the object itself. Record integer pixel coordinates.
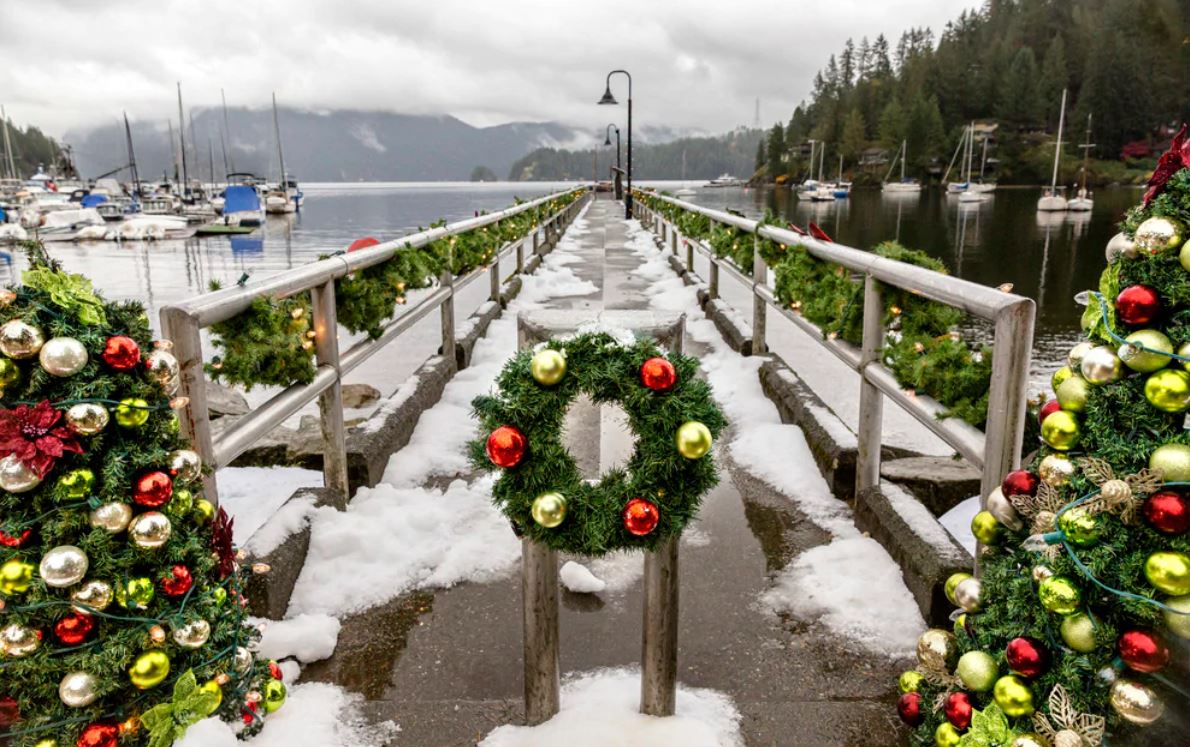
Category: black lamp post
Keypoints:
(607, 140)
(609, 99)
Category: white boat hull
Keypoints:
(1052, 204)
(990, 187)
(1080, 204)
(901, 188)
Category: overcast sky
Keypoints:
(695, 64)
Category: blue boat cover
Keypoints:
(93, 200)
(239, 198)
(244, 245)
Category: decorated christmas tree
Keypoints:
(121, 616)
(1077, 630)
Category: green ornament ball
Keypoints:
(1060, 431)
(1073, 393)
(985, 527)
(960, 624)
(978, 671)
(77, 483)
(1142, 360)
(274, 695)
(946, 735)
(1184, 352)
(1060, 595)
(135, 593)
(1061, 375)
(10, 372)
(1078, 632)
(1013, 695)
(954, 580)
(181, 503)
(910, 681)
(1169, 571)
(1173, 460)
(132, 412)
(1184, 257)
(1169, 390)
(1080, 526)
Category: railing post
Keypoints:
(760, 276)
(537, 240)
(690, 255)
(673, 243)
(871, 401)
(494, 276)
(447, 279)
(659, 639)
(520, 256)
(182, 330)
(1006, 398)
(330, 402)
(713, 280)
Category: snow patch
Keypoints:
(578, 578)
(251, 495)
(305, 637)
(957, 521)
(288, 520)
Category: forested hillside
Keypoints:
(30, 147)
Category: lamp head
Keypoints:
(607, 97)
(607, 140)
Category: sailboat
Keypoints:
(286, 196)
(905, 186)
(842, 189)
(970, 194)
(981, 185)
(823, 191)
(1052, 199)
(1083, 202)
(955, 188)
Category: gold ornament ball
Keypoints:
(1169, 571)
(132, 412)
(92, 596)
(149, 670)
(242, 661)
(150, 530)
(1060, 431)
(17, 641)
(1060, 595)
(977, 670)
(46, 743)
(15, 577)
(135, 593)
(1074, 359)
(1101, 366)
(1032, 739)
(1135, 702)
(946, 735)
(910, 681)
(1168, 390)
(549, 509)
(78, 689)
(1078, 632)
(693, 439)
(1002, 508)
(548, 367)
(212, 687)
(1055, 470)
(1013, 696)
(204, 510)
(63, 566)
(274, 695)
(985, 527)
(185, 464)
(1157, 235)
(1073, 393)
(15, 476)
(10, 373)
(112, 518)
(937, 649)
(163, 368)
(193, 634)
(967, 594)
(87, 418)
(951, 582)
(1178, 620)
(1173, 460)
(1080, 527)
(20, 340)
(63, 356)
(1061, 375)
(1142, 360)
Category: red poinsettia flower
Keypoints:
(221, 543)
(1172, 161)
(33, 435)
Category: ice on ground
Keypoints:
(601, 709)
(854, 588)
(251, 495)
(958, 522)
(314, 714)
(307, 638)
(578, 578)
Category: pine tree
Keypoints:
(1054, 76)
(776, 150)
(760, 155)
(853, 141)
(892, 128)
(1019, 102)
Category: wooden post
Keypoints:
(760, 276)
(871, 401)
(447, 279)
(659, 634)
(182, 329)
(539, 590)
(330, 402)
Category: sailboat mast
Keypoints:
(1087, 153)
(954, 156)
(840, 167)
(970, 149)
(173, 150)
(813, 150)
(182, 142)
(280, 153)
(821, 160)
(1058, 145)
(225, 136)
(9, 165)
(211, 161)
(904, 156)
(983, 160)
(131, 156)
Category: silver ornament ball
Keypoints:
(1120, 246)
(185, 464)
(63, 566)
(63, 356)
(15, 476)
(1101, 365)
(1074, 358)
(1001, 508)
(164, 369)
(87, 418)
(967, 594)
(19, 340)
(78, 689)
(92, 596)
(150, 530)
(243, 660)
(17, 641)
(112, 518)
(193, 634)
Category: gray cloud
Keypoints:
(695, 64)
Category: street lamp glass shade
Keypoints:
(608, 98)
(607, 140)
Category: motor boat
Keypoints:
(66, 225)
(241, 209)
(725, 180)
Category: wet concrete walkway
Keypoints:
(446, 665)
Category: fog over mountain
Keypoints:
(341, 145)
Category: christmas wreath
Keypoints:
(541, 489)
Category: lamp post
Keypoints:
(609, 99)
(607, 140)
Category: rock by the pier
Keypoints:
(940, 483)
(222, 401)
(360, 395)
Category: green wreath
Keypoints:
(541, 489)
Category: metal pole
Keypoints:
(628, 195)
(760, 276)
(659, 639)
(180, 328)
(448, 317)
(330, 402)
(871, 402)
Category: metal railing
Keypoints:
(182, 323)
(995, 451)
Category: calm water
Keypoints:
(1047, 257)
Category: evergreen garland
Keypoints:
(599, 366)
(115, 456)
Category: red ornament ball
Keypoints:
(121, 353)
(1167, 512)
(73, 629)
(1137, 305)
(152, 489)
(658, 374)
(1049, 408)
(909, 708)
(1143, 651)
(640, 517)
(1027, 657)
(958, 710)
(10, 712)
(99, 735)
(15, 540)
(506, 446)
(275, 671)
(178, 582)
(251, 712)
(1019, 482)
